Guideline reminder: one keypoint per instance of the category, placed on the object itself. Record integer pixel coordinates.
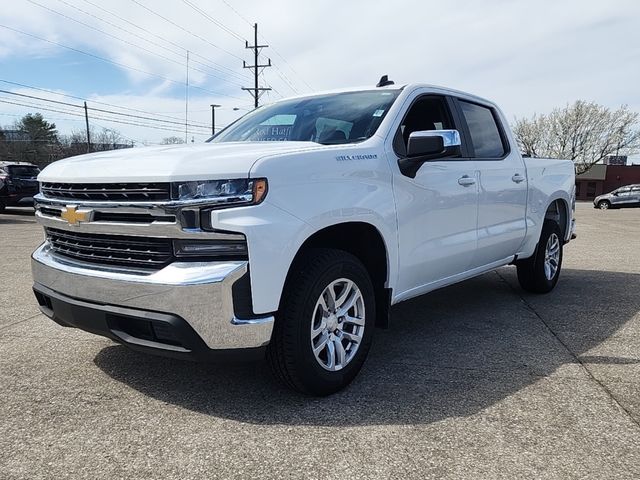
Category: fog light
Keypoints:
(214, 248)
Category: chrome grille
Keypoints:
(107, 192)
(112, 250)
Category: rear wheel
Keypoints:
(2, 206)
(540, 273)
(324, 328)
(604, 205)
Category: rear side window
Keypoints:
(485, 134)
(23, 171)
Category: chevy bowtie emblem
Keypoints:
(74, 216)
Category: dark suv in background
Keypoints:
(18, 184)
(627, 196)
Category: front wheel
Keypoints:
(540, 273)
(324, 327)
(604, 205)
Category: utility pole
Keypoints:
(256, 91)
(86, 119)
(186, 103)
(213, 118)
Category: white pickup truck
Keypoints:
(292, 232)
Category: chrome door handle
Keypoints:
(517, 178)
(466, 181)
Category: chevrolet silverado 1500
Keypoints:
(292, 232)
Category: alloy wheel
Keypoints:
(338, 323)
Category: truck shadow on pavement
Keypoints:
(17, 216)
(451, 353)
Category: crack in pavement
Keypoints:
(566, 347)
(4, 327)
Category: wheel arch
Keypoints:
(364, 241)
(558, 210)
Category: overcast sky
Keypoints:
(528, 56)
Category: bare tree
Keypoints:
(105, 139)
(172, 140)
(584, 132)
(108, 139)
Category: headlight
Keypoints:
(243, 191)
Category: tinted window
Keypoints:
(24, 171)
(329, 119)
(484, 131)
(427, 113)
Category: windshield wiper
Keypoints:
(343, 141)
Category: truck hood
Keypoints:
(209, 161)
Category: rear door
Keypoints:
(623, 197)
(502, 183)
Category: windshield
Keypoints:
(23, 171)
(328, 119)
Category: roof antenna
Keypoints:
(384, 81)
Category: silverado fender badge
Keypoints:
(343, 158)
(73, 216)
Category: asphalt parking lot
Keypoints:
(478, 380)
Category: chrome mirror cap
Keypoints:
(450, 138)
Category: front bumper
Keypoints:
(192, 299)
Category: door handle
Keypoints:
(466, 181)
(517, 178)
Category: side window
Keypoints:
(484, 131)
(426, 113)
(624, 192)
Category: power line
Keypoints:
(213, 20)
(143, 125)
(184, 29)
(113, 62)
(86, 25)
(90, 100)
(201, 125)
(209, 64)
(237, 12)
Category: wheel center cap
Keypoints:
(332, 322)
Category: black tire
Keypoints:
(2, 206)
(531, 271)
(604, 205)
(290, 353)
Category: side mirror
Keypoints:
(427, 145)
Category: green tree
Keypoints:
(38, 129)
(584, 132)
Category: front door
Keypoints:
(437, 210)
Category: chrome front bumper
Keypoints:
(199, 293)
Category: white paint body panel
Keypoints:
(436, 232)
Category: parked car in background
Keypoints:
(627, 196)
(18, 184)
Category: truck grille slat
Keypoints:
(108, 192)
(115, 250)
